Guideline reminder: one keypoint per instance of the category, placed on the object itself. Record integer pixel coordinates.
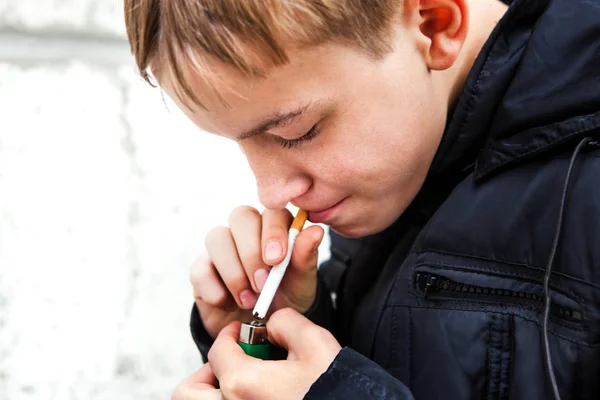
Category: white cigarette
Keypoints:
(276, 274)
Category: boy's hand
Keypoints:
(311, 349)
(229, 277)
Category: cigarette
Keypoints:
(276, 274)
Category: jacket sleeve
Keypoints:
(353, 376)
(199, 334)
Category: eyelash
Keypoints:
(294, 143)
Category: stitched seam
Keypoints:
(525, 317)
(528, 153)
(483, 307)
(505, 359)
(578, 379)
(514, 307)
(490, 371)
(499, 261)
(484, 70)
(410, 345)
(497, 351)
(416, 293)
(394, 341)
(583, 119)
(482, 271)
(365, 381)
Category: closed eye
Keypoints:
(294, 143)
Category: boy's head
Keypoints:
(333, 102)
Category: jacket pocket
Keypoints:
(478, 335)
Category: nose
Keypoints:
(278, 180)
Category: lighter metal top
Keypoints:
(254, 332)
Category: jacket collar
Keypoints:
(534, 85)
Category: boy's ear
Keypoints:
(443, 24)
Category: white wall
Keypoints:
(106, 194)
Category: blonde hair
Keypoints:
(179, 33)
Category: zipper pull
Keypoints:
(427, 283)
(431, 284)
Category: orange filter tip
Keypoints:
(300, 219)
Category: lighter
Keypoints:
(254, 340)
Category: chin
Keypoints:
(359, 228)
(356, 231)
(348, 234)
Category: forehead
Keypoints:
(233, 101)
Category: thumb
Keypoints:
(299, 336)
(300, 280)
(291, 330)
(306, 251)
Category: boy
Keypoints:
(448, 144)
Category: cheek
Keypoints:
(378, 160)
(381, 144)
(367, 169)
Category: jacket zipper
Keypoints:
(434, 286)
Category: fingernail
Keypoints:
(260, 277)
(273, 251)
(248, 299)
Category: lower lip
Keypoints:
(322, 216)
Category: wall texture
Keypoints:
(106, 193)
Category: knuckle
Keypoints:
(215, 235)
(281, 315)
(251, 259)
(275, 232)
(199, 270)
(236, 386)
(215, 298)
(242, 212)
(316, 334)
(204, 286)
(179, 393)
(211, 353)
(276, 228)
(235, 278)
(228, 385)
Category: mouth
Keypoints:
(324, 215)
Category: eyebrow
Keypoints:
(276, 120)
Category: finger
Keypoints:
(225, 355)
(200, 385)
(215, 318)
(275, 228)
(207, 285)
(224, 255)
(246, 225)
(204, 375)
(294, 332)
(191, 393)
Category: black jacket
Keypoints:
(449, 302)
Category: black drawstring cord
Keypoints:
(547, 355)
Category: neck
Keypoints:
(484, 16)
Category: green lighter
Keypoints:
(254, 340)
